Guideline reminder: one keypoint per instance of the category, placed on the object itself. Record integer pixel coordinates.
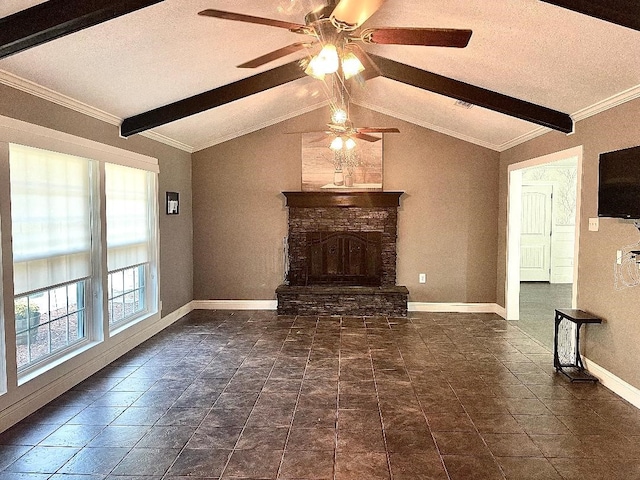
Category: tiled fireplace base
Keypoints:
(342, 300)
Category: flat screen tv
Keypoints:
(619, 184)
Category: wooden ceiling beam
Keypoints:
(620, 12)
(476, 95)
(213, 98)
(56, 18)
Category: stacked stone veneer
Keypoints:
(343, 212)
(341, 219)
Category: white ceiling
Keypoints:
(527, 49)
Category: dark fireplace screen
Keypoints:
(344, 258)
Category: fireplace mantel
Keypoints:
(342, 199)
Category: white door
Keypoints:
(535, 235)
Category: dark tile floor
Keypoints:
(249, 395)
(538, 301)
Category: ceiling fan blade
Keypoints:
(351, 14)
(482, 97)
(367, 138)
(377, 130)
(431, 37)
(620, 12)
(213, 98)
(275, 55)
(239, 17)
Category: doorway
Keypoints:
(543, 201)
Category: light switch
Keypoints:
(594, 224)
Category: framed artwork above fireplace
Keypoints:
(357, 169)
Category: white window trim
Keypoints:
(17, 131)
(3, 348)
(152, 294)
(20, 132)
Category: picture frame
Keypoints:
(173, 203)
(324, 170)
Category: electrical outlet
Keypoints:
(594, 224)
(422, 278)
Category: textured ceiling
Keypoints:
(526, 49)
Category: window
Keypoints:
(58, 257)
(52, 230)
(49, 321)
(129, 241)
(127, 294)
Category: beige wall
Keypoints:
(613, 345)
(447, 219)
(176, 262)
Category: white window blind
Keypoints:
(128, 217)
(51, 218)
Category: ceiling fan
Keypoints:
(342, 135)
(339, 24)
(341, 129)
(340, 21)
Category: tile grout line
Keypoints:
(375, 383)
(337, 424)
(433, 438)
(233, 450)
(472, 422)
(164, 475)
(295, 407)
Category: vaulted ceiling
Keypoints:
(529, 63)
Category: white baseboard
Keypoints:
(412, 306)
(618, 386)
(178, 314)
(56, 387)
(235, 304)
(457, 308)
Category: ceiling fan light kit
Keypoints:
(336, 144)
(324, 63)
(351, 65)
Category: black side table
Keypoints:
(566, 344)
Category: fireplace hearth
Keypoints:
(342, 255)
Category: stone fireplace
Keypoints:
(342, 255)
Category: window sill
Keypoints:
(55, 361)
(119, 328)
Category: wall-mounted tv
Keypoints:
(619, 184)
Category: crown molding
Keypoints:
(611, 102)
(602, 106)
(52, 96)
(45, 93)
(255, 128)
(158, 137)
(430, 126)
(525, 137)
